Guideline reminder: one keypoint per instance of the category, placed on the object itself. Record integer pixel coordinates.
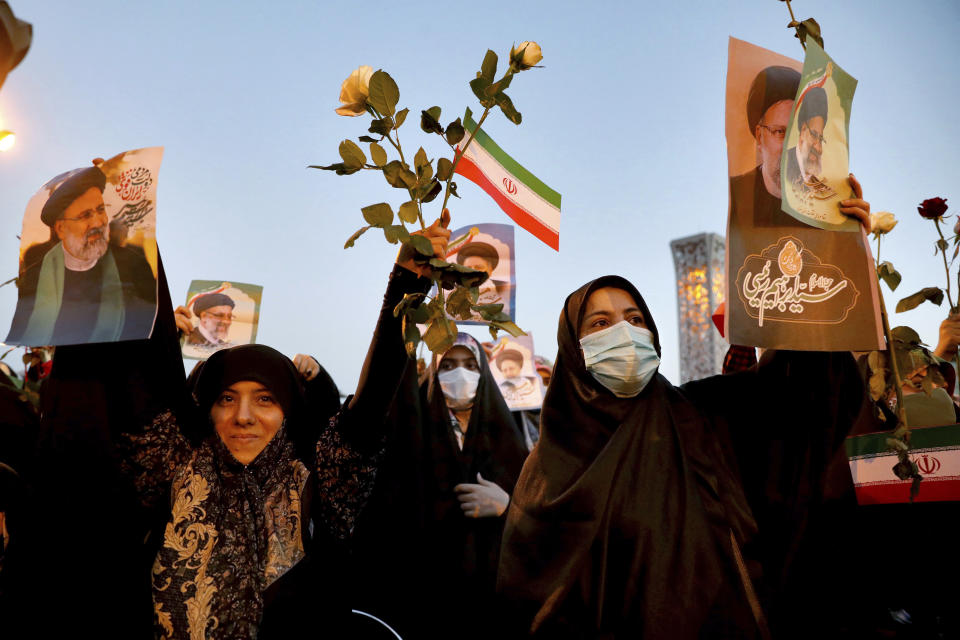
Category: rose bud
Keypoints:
(933, 208)
(525, 55)
(882, 222)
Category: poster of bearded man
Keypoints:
(790, 285)
(223, 314)
(88, 255)
(816, 154)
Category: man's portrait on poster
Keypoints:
(85, 283)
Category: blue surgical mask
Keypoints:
(622, 358)
(459, 387)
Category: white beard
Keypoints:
(87, 251)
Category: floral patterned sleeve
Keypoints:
(345, 479)
(152, 456)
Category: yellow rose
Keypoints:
(525, 55)
(354, 92)
(882, 222)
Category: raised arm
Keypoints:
(350, 447)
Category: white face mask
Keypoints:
(459, 387)
(622, 358)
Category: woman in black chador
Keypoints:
(427, 546)
(256, 500)
(650, 511)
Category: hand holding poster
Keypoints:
(488, 247)
(88, 255)
(791, 285)
(224, 315)
(513, 369)
(815, 151)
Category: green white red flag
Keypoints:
(524, 197)
(936, 450)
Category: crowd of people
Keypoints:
(247, 501)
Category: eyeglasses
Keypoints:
(88, 214)
(817, 137)
(778, 132)
(222, 317)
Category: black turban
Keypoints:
(479, 249)
(771, 85)
(204, 302)
(69, 190)
(814, 104)
(509, 354)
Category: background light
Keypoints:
(7, 139)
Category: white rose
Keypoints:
(525, 55)
(882, 222)
(354, 92)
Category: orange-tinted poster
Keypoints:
(791, 285)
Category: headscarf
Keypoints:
(620, 522)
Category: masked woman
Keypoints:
(647, 511)
(427, 546)
(258, 501)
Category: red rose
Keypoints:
(933, 208)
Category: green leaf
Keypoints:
(430, 190)
(440, 334)
(399, 176)
(942, 245)
(490, 309)
(340, 168)
(384, 92)
(488, 68)
(809, 27)
(506, 105)
(453, 190)
(455, 132)
(459, 303)
(420, 159)
(933, 294)
(889, 275)
(411, 335)
(378, 215)
(906, 335)
(444, 167)
(421, 244)
(381, 127)
(409, 212)
(499, 86)
(396, 233)
(400, 117)
(419, 314)
(509, 327)
(429, 124)
(479, 88)
(356, 234)
(434, 112)
(378, 153)
(368, 139)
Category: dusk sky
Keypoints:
(625, 120)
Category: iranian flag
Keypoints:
(530, 203)
(936, 450)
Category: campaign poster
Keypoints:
(790, 284)
(224, 315)
(816, 153)
(488, 247)
(513, 367)
(88, 255)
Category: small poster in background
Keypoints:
(816, 155)
(224, 315)
(488, 247)
(513, 367)
(88, 255)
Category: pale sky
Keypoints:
(625, 120)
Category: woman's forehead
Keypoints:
(609, 299)
(459, 353)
